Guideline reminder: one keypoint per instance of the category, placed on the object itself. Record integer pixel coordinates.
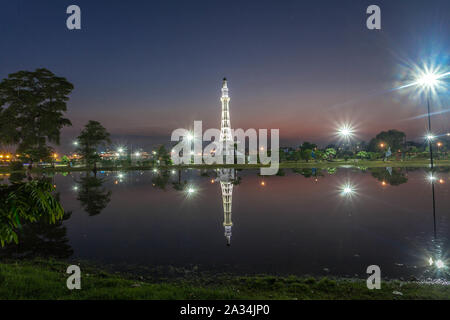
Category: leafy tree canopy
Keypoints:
(392, 138)
(26, 202)
(92, 136)
(32, 107)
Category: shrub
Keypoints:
(16, 165)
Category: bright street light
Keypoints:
(440, 264)
(428, 79)
(346, 131)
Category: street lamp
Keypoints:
(429, 79)
(439, 145)
(346, 131)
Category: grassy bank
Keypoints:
(47, 280)
(284, 165)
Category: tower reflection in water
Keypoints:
(226, 176)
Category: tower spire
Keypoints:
(225, 132)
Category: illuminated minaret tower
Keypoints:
(226, 178)
(225, 132)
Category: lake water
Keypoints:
(315, 222)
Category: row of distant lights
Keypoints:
(347, 131)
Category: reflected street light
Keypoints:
(440, 264)
(347, 189)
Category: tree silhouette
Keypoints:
(32, 104)
(92, 136)
(92, 196)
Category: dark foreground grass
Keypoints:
(47, 280)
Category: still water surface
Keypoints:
(317, 222)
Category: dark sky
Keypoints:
(144, 68)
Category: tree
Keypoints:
(306, 154)
(392, 138)
(363, 155)
(32, 106)
(24, 202)
(308, 145)
(92, 136)
(163, 155)
(329, 154)
(65, 160)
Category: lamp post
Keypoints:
(429, 79)
(439, 145)
(346, 132)
(430, 136)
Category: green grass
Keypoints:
(47, 280)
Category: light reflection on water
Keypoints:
(303, 221)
